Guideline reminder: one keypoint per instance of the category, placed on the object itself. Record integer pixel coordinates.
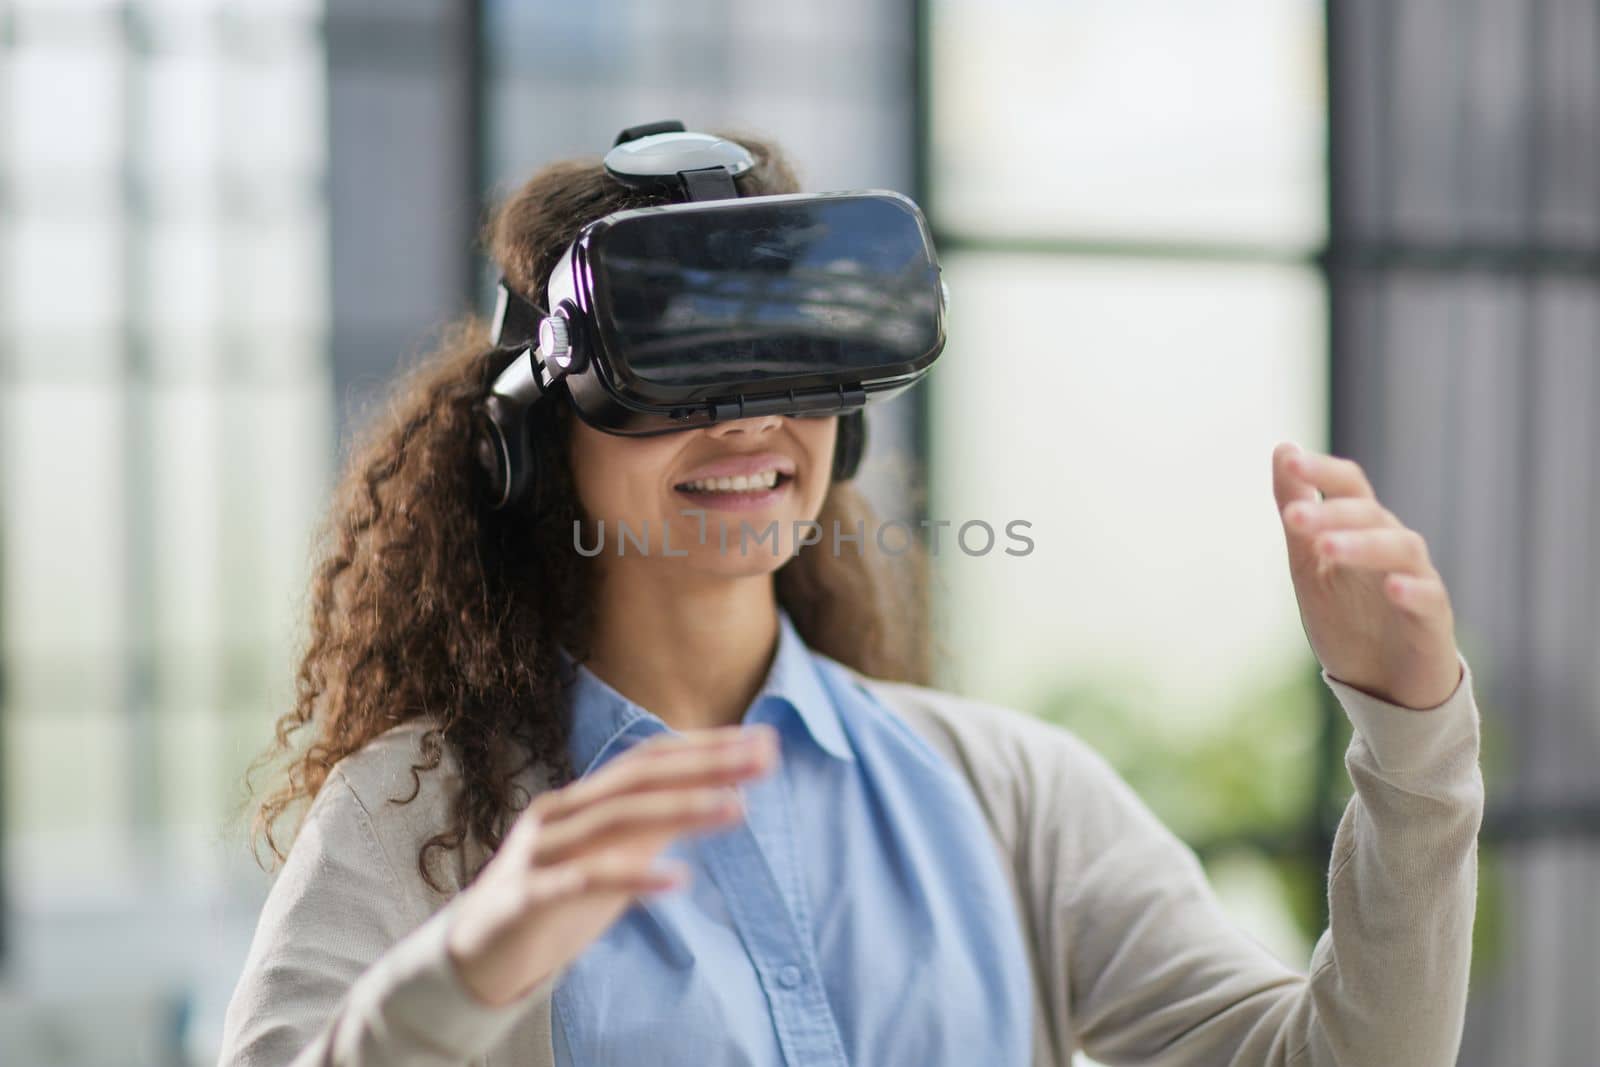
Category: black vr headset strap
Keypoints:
(633, 133)
(710, 183)
(516, 319)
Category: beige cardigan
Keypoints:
(1133, 960)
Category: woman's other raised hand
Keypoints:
(577, 856)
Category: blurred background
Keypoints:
(1175, 234)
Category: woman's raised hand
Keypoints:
(1374, 608)
(576, 858)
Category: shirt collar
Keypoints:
(601, 718)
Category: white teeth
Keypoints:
(738, 483)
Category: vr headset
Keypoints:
(716, 307)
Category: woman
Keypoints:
(506, 735)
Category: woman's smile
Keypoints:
(746, 482)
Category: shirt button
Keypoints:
(789, 977)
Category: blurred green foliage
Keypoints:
(1221, 777)
(1243, 775)
(1210, 774)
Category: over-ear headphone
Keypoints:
(851, 445)
(504, 449)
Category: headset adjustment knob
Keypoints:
(555, 343)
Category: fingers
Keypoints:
(627, 874)
(547, 885)
(1390, 549)
(1307, 517)
(668, 785)
(1421, 597)
(596, 869)
(673, 762)
(607, 872)
(1348, 527)
(1294, 470)
(523, 836)
(1288, 486)
(621, 819)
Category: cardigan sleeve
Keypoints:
(341, 971)
(1157, 973)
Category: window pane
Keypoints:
(276, 101)
(67, 783)
(184, 105)
(63, 274)
(165, 439)
(276, 279)
(51, 89)
(63, 497)
(1128, 411)
(834, 94)
(1150, 119)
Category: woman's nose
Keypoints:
(753, 427)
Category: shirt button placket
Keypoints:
(807, 1032)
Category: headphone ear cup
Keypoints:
(504, 453)
(850, 446)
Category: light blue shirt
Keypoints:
(858, 914)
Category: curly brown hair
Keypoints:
(425, 603)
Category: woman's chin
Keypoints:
(737, 542)
(715, 565)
